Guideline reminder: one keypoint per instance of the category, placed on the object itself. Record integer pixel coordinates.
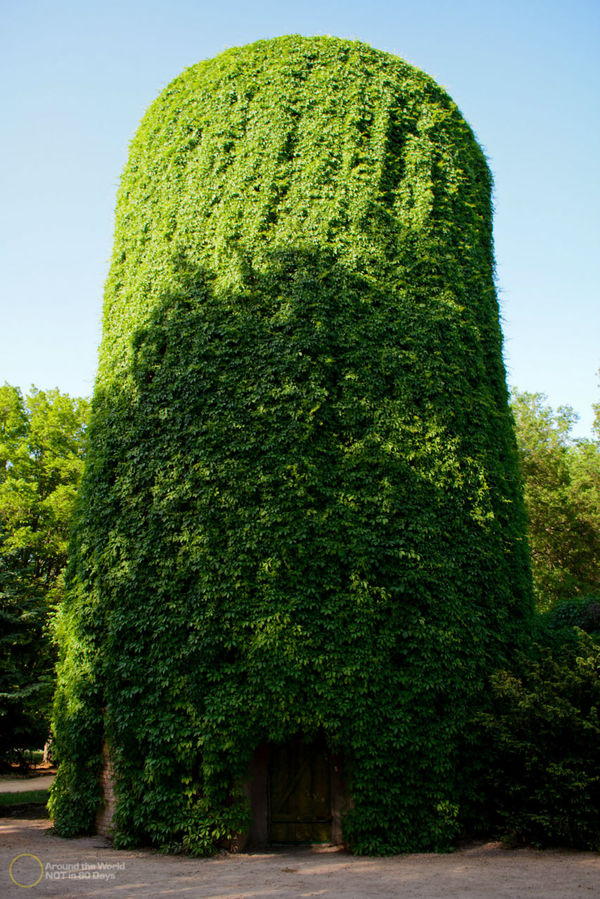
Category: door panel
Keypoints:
(299, 793)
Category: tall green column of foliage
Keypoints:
(301, 511)
(42, 443)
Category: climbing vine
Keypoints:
(301, 511)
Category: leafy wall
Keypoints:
(301, 511)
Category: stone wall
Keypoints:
(107, 809)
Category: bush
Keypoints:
(542, 743)
(580, 612)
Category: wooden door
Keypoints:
(300, 793)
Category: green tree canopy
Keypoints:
(562, 495)
(41, 460)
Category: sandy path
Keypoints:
(25, 784)
(480, 871)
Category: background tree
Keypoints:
(562, 494)
(41, 458)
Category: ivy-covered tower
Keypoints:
(300, 540)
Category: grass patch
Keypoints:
(29, 797)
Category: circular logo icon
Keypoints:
(26, 866)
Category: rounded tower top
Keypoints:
(291, 143)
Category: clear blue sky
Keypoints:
(78, 76)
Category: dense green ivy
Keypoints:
(301, 511)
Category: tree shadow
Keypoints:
(285, 519)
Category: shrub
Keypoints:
(579, 612)
(543, 745)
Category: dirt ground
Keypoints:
(24, 784)
(89, 867)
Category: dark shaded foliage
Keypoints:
(541, 742)
(580, 612)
